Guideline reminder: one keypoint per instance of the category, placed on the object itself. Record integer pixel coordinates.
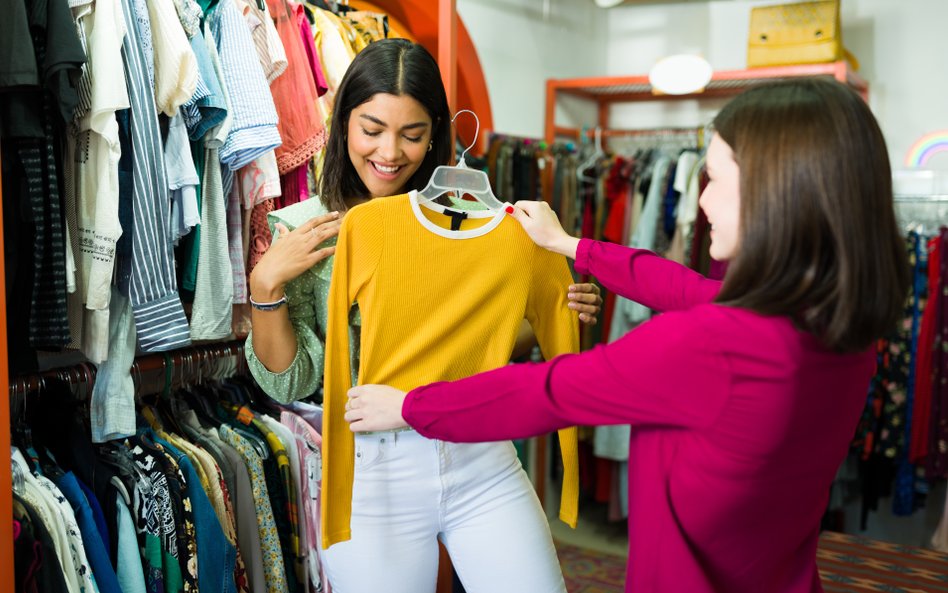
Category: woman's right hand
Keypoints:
(294, 253)
(543, 226)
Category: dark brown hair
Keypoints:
(818, 235)
(396, 67)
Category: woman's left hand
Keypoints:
(585, 299)
(375, 407)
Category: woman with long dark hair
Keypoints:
(744, 394)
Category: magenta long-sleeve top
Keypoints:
(739, 423)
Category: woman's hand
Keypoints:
(294, 253)
(585, 299)
(543, 226)
(375, 407)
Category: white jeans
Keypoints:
(410, 491)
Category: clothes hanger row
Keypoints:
(923, 213)
(191, 364)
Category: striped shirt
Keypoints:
(159, 316)
(254, 128)
(207, 107)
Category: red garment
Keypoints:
(739, 423)
(922, 405)
(617, 199)
(294, 95)
(603, 479)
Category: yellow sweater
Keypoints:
(436, 305)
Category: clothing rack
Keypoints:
(922, 211)
(436, 25)
(188, 360)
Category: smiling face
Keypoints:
(721, 199)
(388, 140)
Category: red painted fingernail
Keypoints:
(509, 209)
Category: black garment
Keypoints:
(36, 567)
(66, 435)
(185, 545)
(18, 258)
(32, 120)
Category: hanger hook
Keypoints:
(477, 131)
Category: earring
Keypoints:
(430, 145)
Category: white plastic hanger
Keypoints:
(593, 158)
(460, 180)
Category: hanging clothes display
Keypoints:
(171, 129)
(901, 437)
(217, 489)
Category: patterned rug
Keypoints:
(848, 563)
(860, 565)
(588, 571)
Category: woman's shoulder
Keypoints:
(296, 214)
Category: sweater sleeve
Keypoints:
(358, 251)
(644, 277)
(557, 331)
(670, 372)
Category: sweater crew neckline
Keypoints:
(497, 218)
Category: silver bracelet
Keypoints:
(268, 306)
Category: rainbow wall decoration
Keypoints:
(925, 148)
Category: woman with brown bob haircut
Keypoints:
(742, 395)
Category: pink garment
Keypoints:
(295, 187)
(308, 447)
(739, 422)
(309, 44)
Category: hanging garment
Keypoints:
(91, 185)
(937, 461)
(295, 97)
(32, 123)
(159, 316)
(253, 129)
(480, 284)
(922, 410)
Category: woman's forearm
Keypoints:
(274, 339)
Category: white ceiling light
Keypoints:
(680, 74)
(608, 3)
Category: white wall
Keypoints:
(522, 43)
(901, 47)
(900, 43)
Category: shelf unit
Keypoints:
(607, 91)
(610, 90)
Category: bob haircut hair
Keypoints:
(396, 67)
(818, 238)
